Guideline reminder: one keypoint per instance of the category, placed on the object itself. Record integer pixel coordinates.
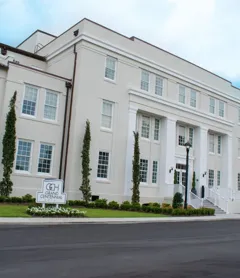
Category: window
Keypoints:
(181, 136)
(218, 178)
(159, 86)
(211, 143)
(238, 181)
(143, 170)
(221, 108)
(219, 144)
(154, 172)
(181, 94)
(107, 110)
(212, 105)
(210, 178)
(193, 99)
(103, 163)
(110, 69)
(156, 129)
(30, 101)
(238, 147)
(181, 173)
(23, 155)
(145, 127)
(145, 80)
(191, 135)
(45, 158)
(50, 107)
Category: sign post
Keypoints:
(52, 193)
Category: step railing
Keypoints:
(219, 200)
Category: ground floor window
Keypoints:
(238, 181)
(103, 164)
(154, 171)
(210, 178)
(143, 170)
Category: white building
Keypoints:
(121, 85)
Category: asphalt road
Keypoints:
(176, 250)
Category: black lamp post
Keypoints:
(188, 146)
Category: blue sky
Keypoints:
(204, 32)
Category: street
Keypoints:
(194, 249)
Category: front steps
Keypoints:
(208, 204)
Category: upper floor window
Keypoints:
(156, 129)
(145, 80)
(193, 98)
(23, 158)
(181, 94)
(185, 132)
(159, 86)
(45, 158)
(50, 107)
(221, 109)
(145, 127)
(219, 144)
(110, 69)
(107, 113)
(211, 143)
(212, 105)
(30, 100)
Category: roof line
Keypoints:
(38, 30)
(23, 52)
(42, 71)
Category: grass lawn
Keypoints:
(20, 211)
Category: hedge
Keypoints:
(24, 199)
(56, 212)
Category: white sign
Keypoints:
(52, 192)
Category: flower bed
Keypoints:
(55, 212)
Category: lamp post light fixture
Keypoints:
(187, 146)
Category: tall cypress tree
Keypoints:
(136, 170)
(9, 148)
(86, 188)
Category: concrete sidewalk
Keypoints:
(56, 221)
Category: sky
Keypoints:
(204, 32)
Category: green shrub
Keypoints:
(167, 210)
(192, 212)
(154, 205)
(177, 200)
(165, 205)
(113, 205)
(28, 198)
(15, 200)
(101, 203)
(126, 205)
(135, 207)
(2, 199)
(91, 205)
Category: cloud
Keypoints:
(202, 31)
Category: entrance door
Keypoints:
(181, 173)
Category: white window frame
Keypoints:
(212, 179)
(144, 82)
(218, 178)
(30, 160)
(178, 135)
(57, 105)
(115, 69)
(155, 130)
(149, 129)
(186, 134)
(221, 110)
(157, 86)
(155, 172)
(193, 100)
(191, 139)
(101, 123)
(219, 145)
(145, 171)
(238, 182)
(212, 105)
(182, 94)
(52, 158)
(36, 106)
(108, 166)
(211, 143)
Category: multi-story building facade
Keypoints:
(121, 85)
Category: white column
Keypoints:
(201, 155)
(227, 180)
(169, 146)
(132, 118)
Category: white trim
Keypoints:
(142, 60)
(51, 167)
(30, 161)
(57, 107)
(178, 106)
(36, 107)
